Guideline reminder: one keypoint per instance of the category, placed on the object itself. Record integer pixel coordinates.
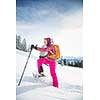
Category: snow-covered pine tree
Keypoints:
(24, 45)
(18, 42)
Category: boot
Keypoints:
(41, 75)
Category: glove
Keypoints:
(35, 47)
(32, 46)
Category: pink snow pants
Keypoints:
(52, 65)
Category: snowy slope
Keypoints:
(70, 81)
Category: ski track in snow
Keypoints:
(70, 81)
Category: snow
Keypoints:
(31, 88)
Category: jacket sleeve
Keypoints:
(43, 49)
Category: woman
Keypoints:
(47, 60)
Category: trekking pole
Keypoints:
(24, 68)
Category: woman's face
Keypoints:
(45, 42)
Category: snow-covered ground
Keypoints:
(70, 81)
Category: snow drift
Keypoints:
(31, 88)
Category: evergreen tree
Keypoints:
(21, 45)
(24, 45)
(18, 42)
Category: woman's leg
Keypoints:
(41, 69)
(52, 65)
(41, 61)
(53, 73)
(39, 64)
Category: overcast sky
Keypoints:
(59, 19)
